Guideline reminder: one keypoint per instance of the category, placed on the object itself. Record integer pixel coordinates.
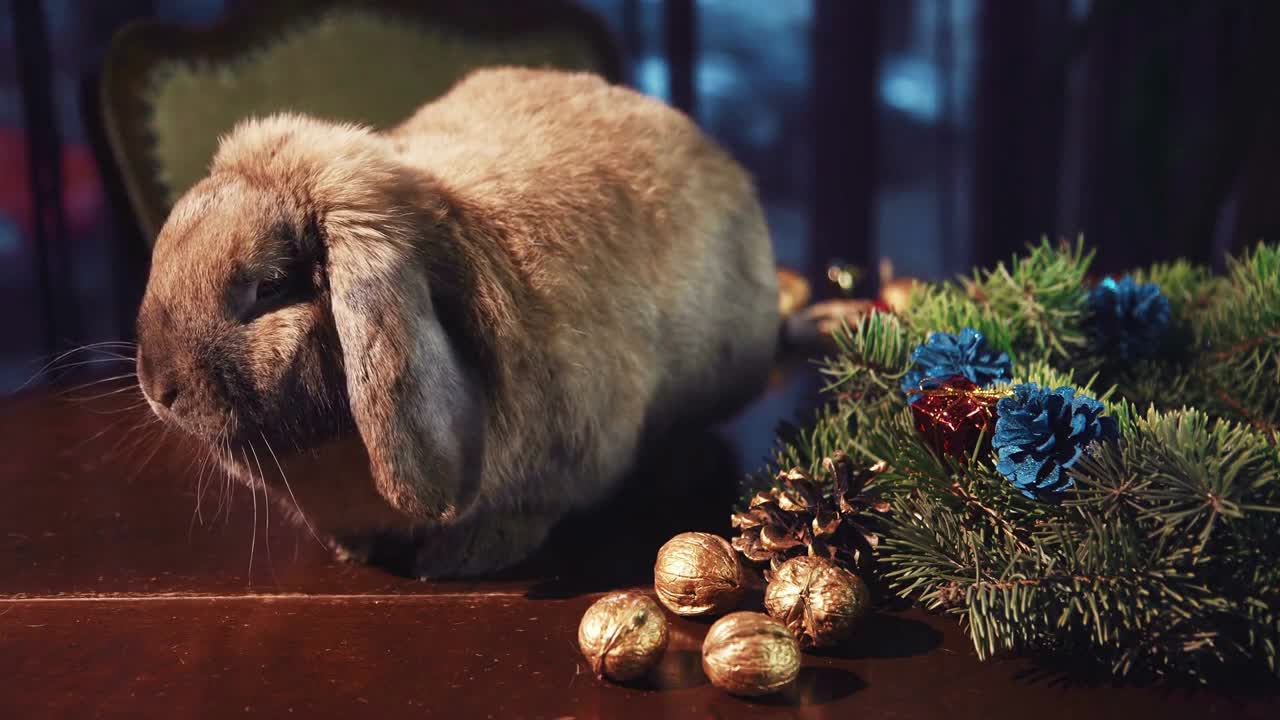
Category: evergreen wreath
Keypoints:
(1117, 498)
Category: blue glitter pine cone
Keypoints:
(1041, 433)
(1128, 319)
(966, 355)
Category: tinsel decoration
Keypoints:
(968, 355)
(1041, 433)
(955, 417)
(1127, 319)
(832, 518)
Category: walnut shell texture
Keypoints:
(819, 601)
(750, 654)
(698, 574)
(623, 635)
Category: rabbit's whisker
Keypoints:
(93, 348)
(135, 407)
(253, 537)
(266, 513)
(100, 381)
(110, 426)
(220, 471)
(200, 478)
(224, 492)
(108, 393)
(134, 438)
(285, 480)
(156, 443)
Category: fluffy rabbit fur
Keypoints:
(493, 306)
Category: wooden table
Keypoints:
(117, 600)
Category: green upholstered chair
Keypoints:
(168, 92)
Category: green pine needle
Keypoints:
(1164, 559)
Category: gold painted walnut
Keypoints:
(698, 574)
(819, 601)
(750, 654)
(623, 636)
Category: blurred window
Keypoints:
(925, 106)
(753, 90)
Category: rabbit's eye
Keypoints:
(269, 289)
(271, 293)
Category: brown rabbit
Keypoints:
(497, 303)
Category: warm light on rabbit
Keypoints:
(498, 302)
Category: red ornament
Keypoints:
(955, 416)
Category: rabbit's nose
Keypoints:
(159, 385)
(165, 393)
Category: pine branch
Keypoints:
(1127, 562)
(1042, 294)
(1191, 289)
(1033, 306)
(1164, 558)
(1242, 333)
(871, 358)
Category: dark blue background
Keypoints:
(934, 133)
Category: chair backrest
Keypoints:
(169, 92)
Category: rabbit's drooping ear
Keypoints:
(414, 406)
